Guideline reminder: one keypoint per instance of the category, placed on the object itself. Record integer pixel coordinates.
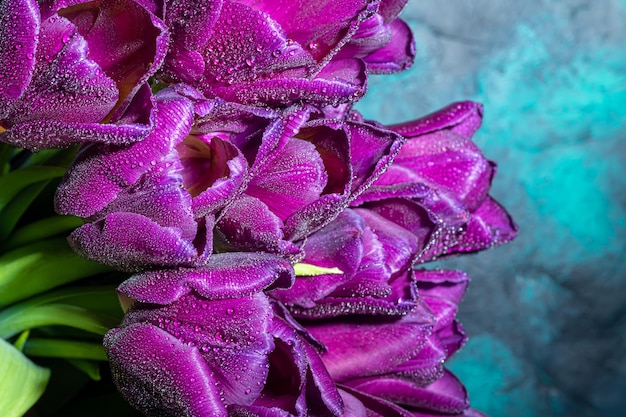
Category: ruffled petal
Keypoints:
(293, 178)
(338, 83)
(246, 44)
(151, 366)
(110, 169)
(248, 225)
(132, 242)
(190, 23)
(489, 226)
(19, 32)
(463, 118)
(446, 395)
(397, 55)
(360, 349)
(444, 159)
(126, 40)
(323, 26)
(228, 340)
(226, 275)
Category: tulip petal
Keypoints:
(19, 29)
(247, 44)
(372, 150)
(249, 225)
(376, 407)
(395, 56)
(131, 242)
(110, 169)
(293, 178)
(322, 26)
(338, 83)
(190, 33)
(489, 226)
(463, 118)
(427, 366)
(390, 9)
(446, 395)
(398, 244)
(354, 348)
(226, 275)
(445, 159)
(126, 40)
(152, 367)
(337, 245)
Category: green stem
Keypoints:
(40, 266)
(58, 348)
(16, 320)
(43, 229)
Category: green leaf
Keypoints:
(18, 318)
(43, 229)
(15, 208)
(59, 348)
(308, 270)
(21, 381)
(90, 368)
(21, 340)
(40, 266)
(15, 181)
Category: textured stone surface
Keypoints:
(547, 313)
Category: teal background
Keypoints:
(546, 314)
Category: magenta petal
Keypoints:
(109, 169)
(149, 366)
(390, 9)
(354, 348)
(293, 178)
(19, 30)
(427, 366)
(166, 204)
(189, 32)
(226, 275)
(446, 395)
(399, 245)
(444, 159)
(337, 245)
(249, 225)
(444, 284)
(463, 118)
(330, 307)
(489, 226)
(298, 379)
(125, 40)
(373, 34)
(130, 242)
(376, 407)
(338, 84)
(372, 150)
(132, 126)
(231, 336)
(397, 55)
(321, 26)
(247, 44)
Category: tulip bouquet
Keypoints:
(269, 240)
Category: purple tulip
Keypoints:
(247, 178)
(207, 342)
(75, 72)
(394, 367)
(375, 258)
(438, 186)
(281, 52)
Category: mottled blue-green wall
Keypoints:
(547, 313)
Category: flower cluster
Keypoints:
(273, 234)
